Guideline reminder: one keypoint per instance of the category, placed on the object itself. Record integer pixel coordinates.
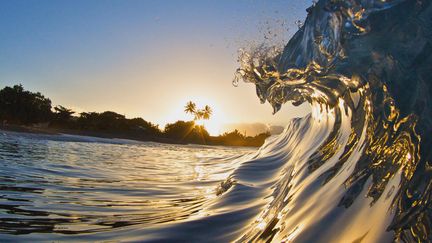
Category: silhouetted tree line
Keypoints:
(235, 138)
(24, 107)
(21, 107)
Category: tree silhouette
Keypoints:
(206, 112)
(24, 107)
(190, 108)
(186, 131)
(199, 114)
(62, 113)
(21, 107)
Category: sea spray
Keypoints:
(364, 66)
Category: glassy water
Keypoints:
(59, 186)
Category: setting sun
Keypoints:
(215, 121)
(214, 126)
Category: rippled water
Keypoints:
(357, 169)
(67, 187)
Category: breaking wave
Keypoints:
(358, 167)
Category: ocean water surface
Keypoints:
(70, 187)
(358, 168)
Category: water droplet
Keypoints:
(299, 23)
(235, 82)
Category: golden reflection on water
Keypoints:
(362, 155)
(72, 188)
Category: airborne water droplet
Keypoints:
(235, 82)
(299, 23)
(238, 75)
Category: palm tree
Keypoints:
(199, 114)
(206, 112)
(64, 112)
(191, 108)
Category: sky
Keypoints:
(144, 58)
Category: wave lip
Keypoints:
(364, 67)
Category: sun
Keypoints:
(215, 124)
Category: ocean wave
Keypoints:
(358, 168)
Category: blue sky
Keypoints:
(141, 58)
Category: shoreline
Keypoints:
(97, 134)
(101, 134)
